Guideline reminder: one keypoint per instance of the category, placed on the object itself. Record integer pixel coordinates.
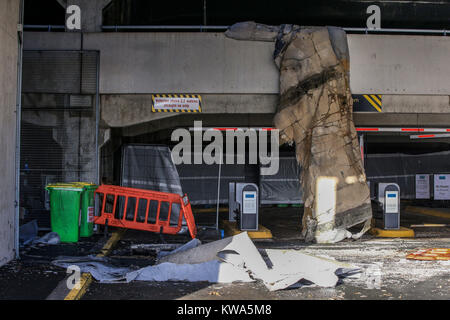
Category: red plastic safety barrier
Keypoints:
(143, 210)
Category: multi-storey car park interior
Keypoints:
(85, 109)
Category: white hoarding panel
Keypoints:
(442, 186)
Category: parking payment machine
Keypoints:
(244, 205)
(391, 209)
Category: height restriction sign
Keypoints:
(176, 103)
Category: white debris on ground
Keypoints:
(233, 259)
(49, 238)
(383, 262)
(286, 267)
(372, 264)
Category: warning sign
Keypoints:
(367, 103)
(176, 103)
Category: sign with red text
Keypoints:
(176, 103)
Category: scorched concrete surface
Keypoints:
(33, 276)
(386, 275)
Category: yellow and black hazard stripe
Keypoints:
(197, 96)
(367, 103)
(374, 100)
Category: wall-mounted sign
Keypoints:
(442, 187)
(422, 186)
(367, 103)
(176, 103)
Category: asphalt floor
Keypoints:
(395, 277)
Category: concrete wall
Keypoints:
(183, 62)
(386, 64)
(129, 109)
(142, 63)
(416, 103)
(52, 40)
(411, 72)
(9, 17)
(212, 63)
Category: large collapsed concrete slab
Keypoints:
(315, 114)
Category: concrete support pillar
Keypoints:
(9, 17)
(76, 136)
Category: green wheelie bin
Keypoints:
(72, 209)
(87, 209)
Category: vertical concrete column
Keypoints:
(76, 136)
(9, 17)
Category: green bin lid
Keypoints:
(86, 185)
(72, 186)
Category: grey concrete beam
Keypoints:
(170, 62)
(416, 104)
(127, 110)
(51, 41)
(399, 64)
(133, 109)
(363, 119)
(375, 119)
(183, 63)
(244, 120)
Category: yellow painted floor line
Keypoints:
(428, 212)
(401, 233)
(86, 278)
(77, 293)
(111, 242)
(231, 229)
